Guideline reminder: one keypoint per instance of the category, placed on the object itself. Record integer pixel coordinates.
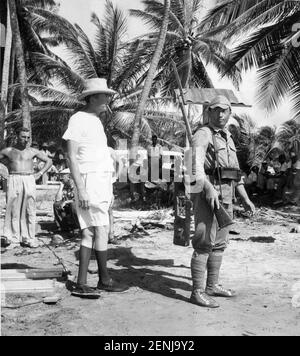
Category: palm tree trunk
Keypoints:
(2, 118)
(150, 76)
(5, 77)
(12, 70)
(186, 70)
(20, 61)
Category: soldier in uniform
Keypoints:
(216, 167)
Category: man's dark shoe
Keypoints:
(30, 244)
(112, 286)
(5, 242)
(83, 291)
(203, 300)
(219, 291)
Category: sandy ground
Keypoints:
(158, 273)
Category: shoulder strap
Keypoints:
(217, 159)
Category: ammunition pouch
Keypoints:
(225, 174)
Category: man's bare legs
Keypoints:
(85, 255)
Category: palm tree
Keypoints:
(108, 56)
(30, 39)
(151, 74)
(20, 63)
(191, 50)
(265, 36)
(288, 136)
(261, 145)
(243, 130)
(5, 76)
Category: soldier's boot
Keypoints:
(213, 289)
(198, 269)
(200, 298)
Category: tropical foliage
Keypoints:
(191, 50)
(289, 136)
(243, 130)
(150, 76)
(55, 79)
(271, 45)
(55, 83)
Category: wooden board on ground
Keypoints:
(23, 274)
(27, 286)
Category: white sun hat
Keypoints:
(95, 86)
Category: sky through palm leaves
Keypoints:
(78, 11)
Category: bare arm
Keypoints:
(59, 194)
(3, 154)
(48, 163)
(248, 205)
(72, 148)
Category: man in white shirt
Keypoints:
(91, 166)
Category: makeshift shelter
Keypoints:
(203, 96)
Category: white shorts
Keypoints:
(100, 191)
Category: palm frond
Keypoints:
(151, 20)
(49, 4)
(87, 46)
(58, 70)
(295, 98)
(57, 26)
(276, 79)
(38, 113)
(53, 96)
(116, 27)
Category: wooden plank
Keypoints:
(20, 274)
(27, 286)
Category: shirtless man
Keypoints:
(19, 226)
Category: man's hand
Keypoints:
(212, 196)
(84, 200)
(37, 175)
(249, 206)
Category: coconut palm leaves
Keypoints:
(191, 50)
(31, 35)
(289, 136)
(263, 142)
(269, 27)
(107, 56)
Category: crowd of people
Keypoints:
(58, 158)
(274, 178)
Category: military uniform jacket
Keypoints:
(204, 158)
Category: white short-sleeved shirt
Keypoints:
(93, 153)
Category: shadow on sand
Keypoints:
(137, 272)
